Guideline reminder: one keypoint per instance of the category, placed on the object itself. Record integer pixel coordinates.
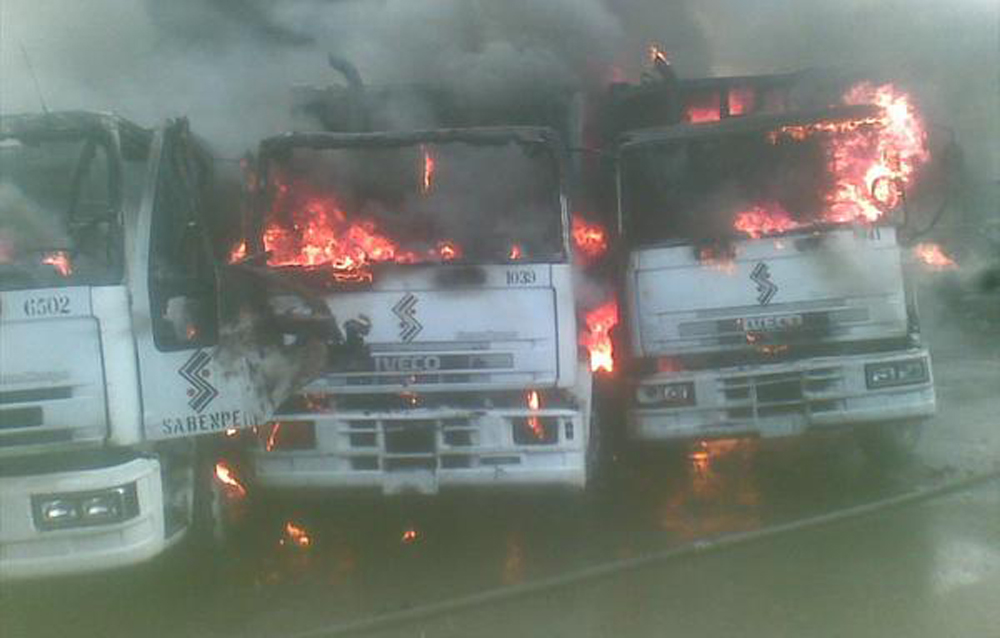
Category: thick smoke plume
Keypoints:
(229, 63)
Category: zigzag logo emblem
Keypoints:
(201, 392)
(766, 289)
(406, 310)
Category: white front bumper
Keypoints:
(833, 393)
(353, 452)
(27, 552)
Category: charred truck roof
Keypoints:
(133, 139)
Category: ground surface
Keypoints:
(928, 570)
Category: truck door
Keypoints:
(190, 385)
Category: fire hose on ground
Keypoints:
(611, 568)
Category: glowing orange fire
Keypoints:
(296, 535)
(589, 238)
(515, 252)
(429, 166)
(763, 220)
(932, 256)
(227, 477)
(534, 423)
(60, 261)
(320, 235)
(272, 438)
(597, 336)
(872, 161)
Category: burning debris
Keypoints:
(933, 257)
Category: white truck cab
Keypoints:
(110, 330)
(448, 252)
(748, 312)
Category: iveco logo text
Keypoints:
(761, 275)
(766, 324)
(417, 363)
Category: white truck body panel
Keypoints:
(513, 331)
(838, 286)
(821, 293)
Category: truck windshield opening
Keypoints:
(704, 188)
(57, 220)
(347, 209)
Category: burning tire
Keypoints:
(894, 442)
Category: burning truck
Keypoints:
(119, 353)
(765, 288)
(450, 251)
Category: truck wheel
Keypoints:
(893, 442)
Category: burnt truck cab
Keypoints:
(448, 252)
(762, 295)
(109, 341)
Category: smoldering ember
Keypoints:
(553, 317)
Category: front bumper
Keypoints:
(784, 399)
(459, 448)
(28, 552)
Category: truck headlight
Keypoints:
(670, 394)
(84, 509)
(895, 373)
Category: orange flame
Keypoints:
(60, 261)
(597, 336)
(872, 160)
(932, 256)
(238, 253)
(227, 477)
(763, 220)
(272, 437)
(534, 422)
(297, 535)
(429, 166)
(589, 238)
(515, 252)
(319, 234)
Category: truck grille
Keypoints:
(805, 392)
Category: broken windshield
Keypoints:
(57, 220)
(349, 208)
(703, 188)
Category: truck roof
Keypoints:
(489, 135)
(65, 124)
(743, 125)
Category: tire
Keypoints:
(892, 442)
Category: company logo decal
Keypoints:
(761, 275)
(194, 371)
(406, 310)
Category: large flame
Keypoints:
(590, 238)
(319, 234)
(871, 160)
(596, 338)
(763, 220)
(932, 256)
